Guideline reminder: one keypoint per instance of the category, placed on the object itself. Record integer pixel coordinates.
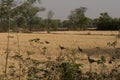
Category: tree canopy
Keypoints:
(77, 18)
(106, 22)
(25, 15)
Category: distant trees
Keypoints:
(27, 13)
(106, 22)
(77, 18)
(5, 10)
(66, 23)
(49, 21)
(24, 15)
(21, 14)
(55, 24)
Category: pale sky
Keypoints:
(62, 8)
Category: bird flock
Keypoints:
(90, 60)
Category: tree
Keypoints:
(24, 12)
(10, 13)
(5, 13)
(49, 17)
(105, 22)
(28, 12)
(55, 24)
(65, 24)
(77, 18)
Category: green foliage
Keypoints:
(105, 22)
(20, 15)
(77, 18)
(71, 71)
(5, 13)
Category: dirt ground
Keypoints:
(88, 41)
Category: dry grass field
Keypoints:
(89, 41)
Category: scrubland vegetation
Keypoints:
(48, 49)
(62, 56)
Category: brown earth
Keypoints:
(93, 43)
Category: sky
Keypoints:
(62, 8)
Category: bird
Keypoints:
(80, 49)
(112, 43)
(35, 40)
(47, 42)
(44, 48)
(91, 60)
(119, 65)
(112, 60)
(61, 47)
(99, 61)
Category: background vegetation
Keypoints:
(24, 16)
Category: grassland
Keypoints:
(88, 41)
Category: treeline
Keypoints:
(15, 15)
(106, 22)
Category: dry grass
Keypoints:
(69, 39)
